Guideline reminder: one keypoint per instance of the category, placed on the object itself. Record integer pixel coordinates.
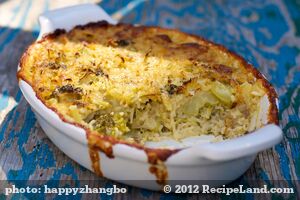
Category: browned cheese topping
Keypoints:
(143, 84)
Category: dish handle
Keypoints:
(68, 17)
(247, 145)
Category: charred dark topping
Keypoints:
(69, 89)
(66, 89)
(222, 72)
(191, 51)
(190, 44)
(79, 104)
(223, 69)
(99, 72)
(123, 42)
(148, 101)
(147, 54)
(165, 129)
(55, 34)
(194, 46)
(164, 37)
(122, 58)
(171, 89)
(89, 35)
(119, 43)
(53, 65)
(93, 25)
(87, 70)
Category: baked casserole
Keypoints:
(140, 84)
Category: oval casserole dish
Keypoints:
(85, 87)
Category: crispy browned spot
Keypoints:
(164, 37)
(222, 69)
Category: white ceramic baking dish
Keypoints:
(201, 161)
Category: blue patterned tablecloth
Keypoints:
(266, 33)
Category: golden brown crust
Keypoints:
(154, 155)
(272, 96)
